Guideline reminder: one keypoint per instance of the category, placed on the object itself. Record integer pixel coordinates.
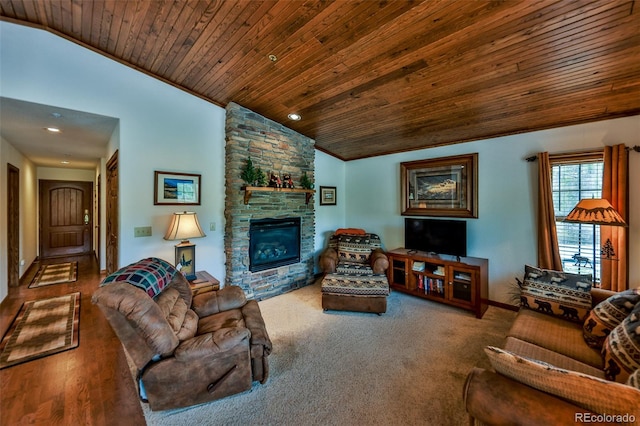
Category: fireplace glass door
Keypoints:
(273, 243)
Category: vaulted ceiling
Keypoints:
(371, 78)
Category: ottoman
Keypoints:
(359, 293)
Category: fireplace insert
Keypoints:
(273, 243)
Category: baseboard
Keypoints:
(503, 305)
(27, 272)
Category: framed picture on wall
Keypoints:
(327, 195)
(446, 186)
(176, 189)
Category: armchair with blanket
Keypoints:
(354, 265)
(187, 349)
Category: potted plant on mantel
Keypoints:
(305, 182)
(253, 176)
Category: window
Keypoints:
(575, 178)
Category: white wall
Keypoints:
(27, 211)
(329, 171)
(161, 128)
(61, 173)
(505, 231)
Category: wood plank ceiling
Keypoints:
(371, 78)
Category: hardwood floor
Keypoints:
(88, 385)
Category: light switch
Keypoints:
(142, 231)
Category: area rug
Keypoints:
(41, 328)
(55, 274)
(405, 367)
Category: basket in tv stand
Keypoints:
(457, 281)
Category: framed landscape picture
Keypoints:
(176, 189)
(327, 195)
(444, 186)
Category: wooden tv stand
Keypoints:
(457, 281)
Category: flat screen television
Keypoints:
(436, 236)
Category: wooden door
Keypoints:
(111, 219)
(65, 218)
(13, 226)
(98, 221)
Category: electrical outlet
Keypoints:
(212, 226)
(142, 231)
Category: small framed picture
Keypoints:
(176, 189)
(327, 195)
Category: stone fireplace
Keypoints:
(268, 263)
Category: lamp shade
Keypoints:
(184, 225)
(596, 211)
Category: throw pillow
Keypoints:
(607, 315)
(350, 231)
(621, 348)
(588, 392)
(150, 274)
(556, 293)
(354, 248)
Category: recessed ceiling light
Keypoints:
(295, 117)
(64, 162)
(52, 129)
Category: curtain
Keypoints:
(615, 184)
(548, 251)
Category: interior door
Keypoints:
(98, 221)
(65, 218)
(111, 219)
(13, 226)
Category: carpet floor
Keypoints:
(407, 366)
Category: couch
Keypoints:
(354, 267)
(186, 349)
(550, 371)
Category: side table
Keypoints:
(204, 283)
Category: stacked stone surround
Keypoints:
(274, 148)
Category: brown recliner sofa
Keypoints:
(187, 350)
(492, 398)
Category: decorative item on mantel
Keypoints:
(261, 177)
(287, 182)
(305, 182)
(275, 181)
(253, 176)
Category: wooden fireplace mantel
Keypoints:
(249, 190)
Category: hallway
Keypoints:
(88, 385)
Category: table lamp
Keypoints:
(185, 225)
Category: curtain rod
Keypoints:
(533, 158)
